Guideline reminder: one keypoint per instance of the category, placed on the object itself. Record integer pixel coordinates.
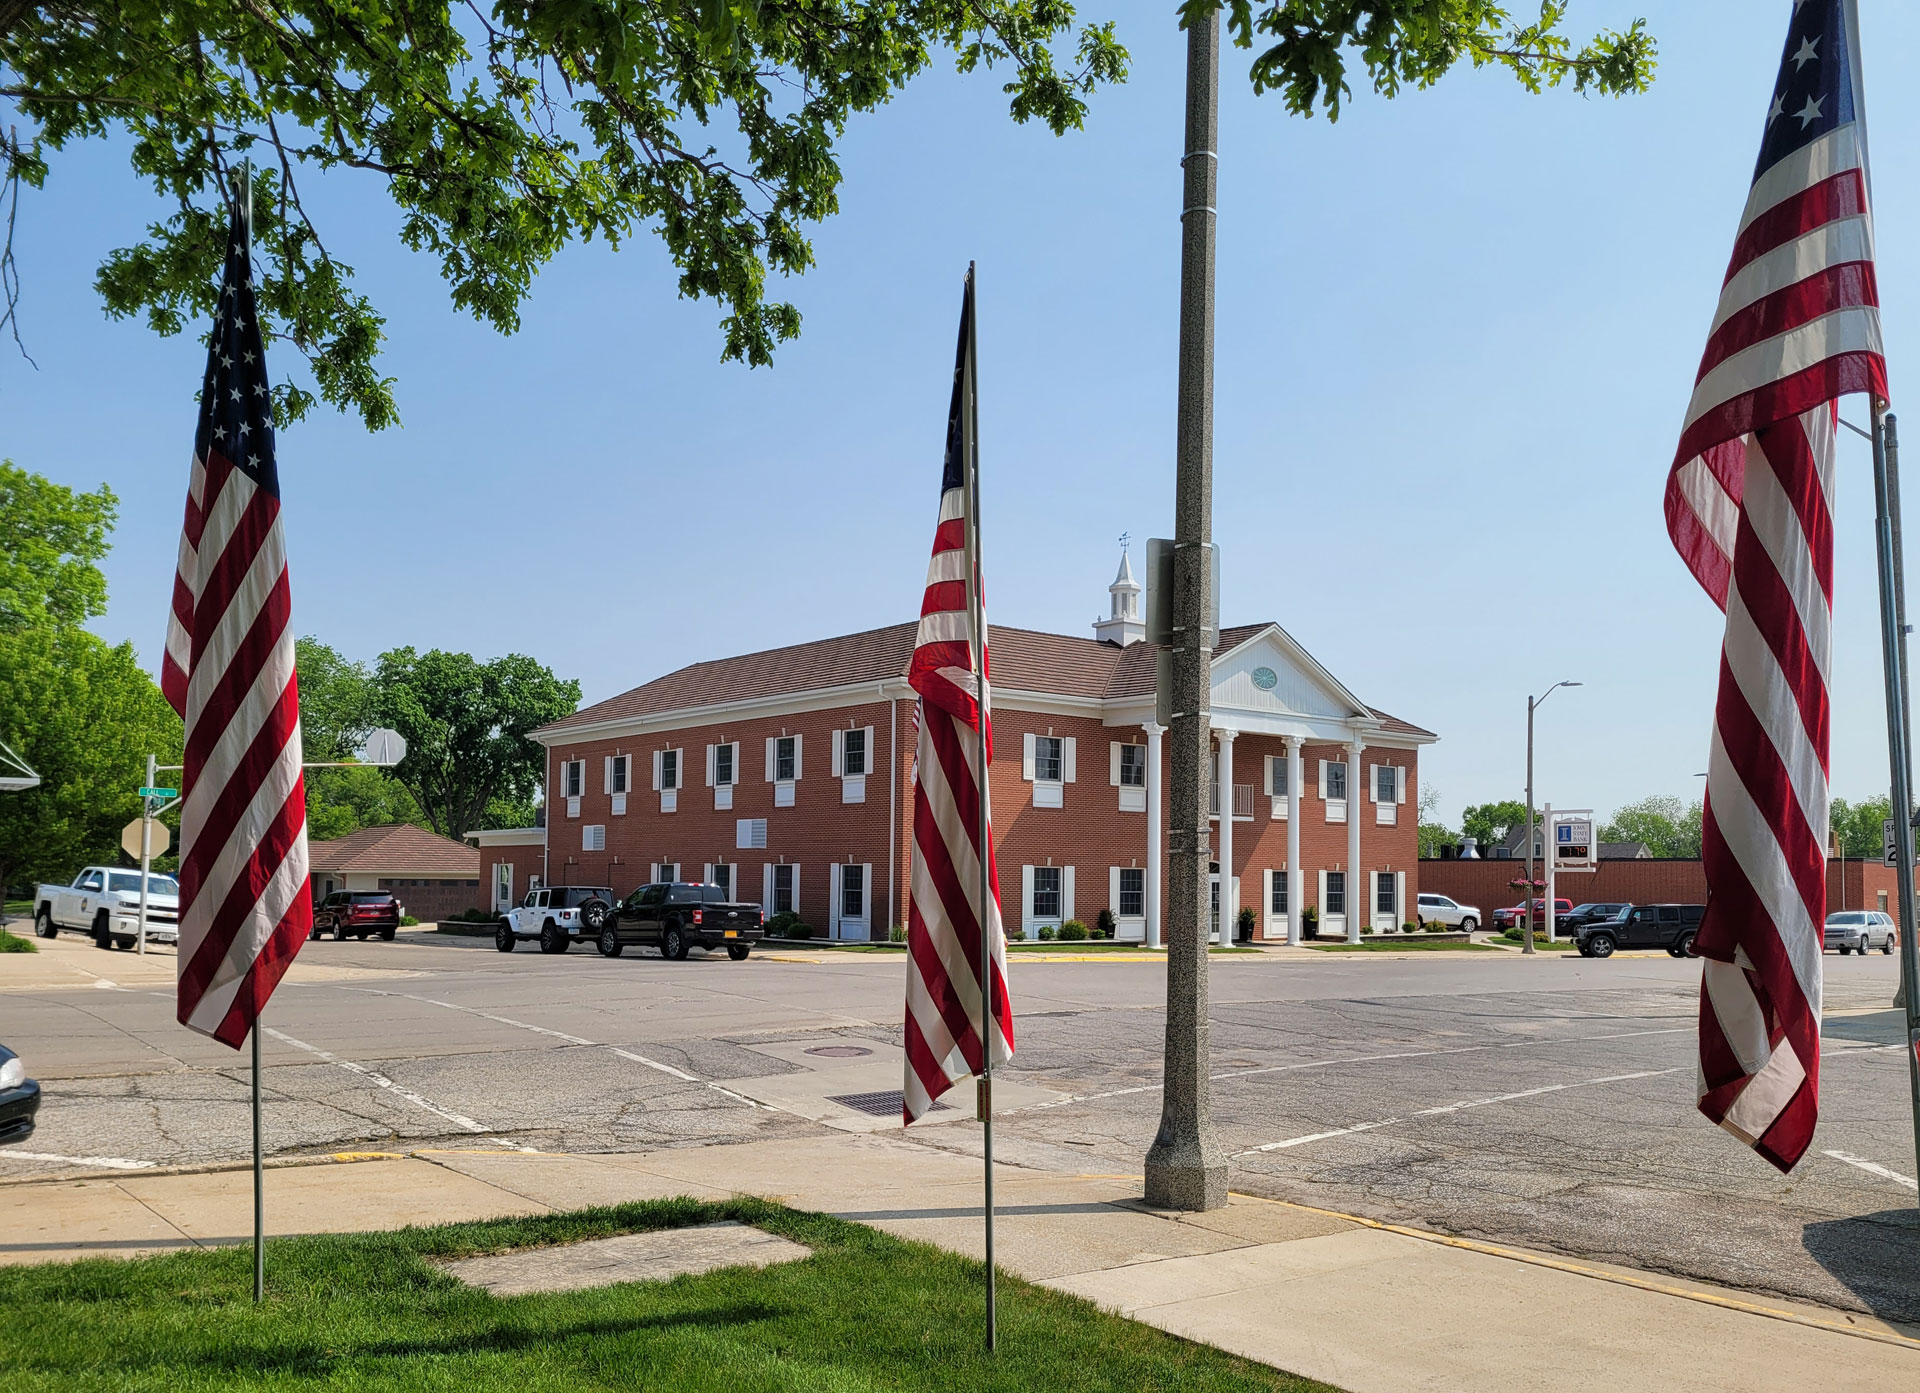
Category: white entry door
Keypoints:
(502, 886)
(852, 894)
(1213, 902)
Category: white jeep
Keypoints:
(555, 916)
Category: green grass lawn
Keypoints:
(369, 1313)
(14, 943)
(1404, 943)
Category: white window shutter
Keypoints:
(796, 890)
(1373, 783)
(1026, 756)
(770, 740)
(656, 771)
(1266, 895)
(1266, 776)
(866, 895)
(833, 899)
(796, 758)
(1323, 780)
(736, 761)
(867, 741)
(1400, 783)
(1113, 890)
(1399, 897)
(766, 891)
(1066, 893)
(1113, 763)
(606, 775)
(1322, 900)
(710, 749)
(1067, 747)
(1026, 887)
(839, 753)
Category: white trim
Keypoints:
(508, 836)
(1066, 893)
(1026, 756)
(1069, 745)
(853, 788)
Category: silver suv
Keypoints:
(1438, 909)
(1856, 930)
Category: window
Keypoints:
(853, 757)
(1336, 781)
(1133, 766)
(1277, 775)
(783, 889)
(1046, 892)
(722, 876)
(665, 872)
(594, 837)
(723, 765)
(1277, 904)
(1385, 783)
(1046, 759)
(1336, 892)
(853, 892)
(1384, 901)
(669, 770)
(617, 776)
(750, 834)
(786, 759)
(1882, 900)
(573, 776)
(1133, 888)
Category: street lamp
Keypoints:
(1533, 703)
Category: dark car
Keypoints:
(19, 1098)
(678, 916)
(1668, 926)
(1593, 913)
(357, 914)
(1512, 915)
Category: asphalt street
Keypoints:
(1546, 1102)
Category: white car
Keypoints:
(103, 902)
(1856, 930)
(555, 917)
(1438, 909)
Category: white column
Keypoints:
(1358, 901)
(1296, 879)
(1229, 910)
(1154, 833)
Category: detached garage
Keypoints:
(433, 877)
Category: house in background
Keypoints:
(1513, 847)
(433, 876)
(787, 777)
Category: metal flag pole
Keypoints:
(977, 638)
(259, 1188)
(1893, 651)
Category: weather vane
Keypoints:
(1125, 538)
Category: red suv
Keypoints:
(358, 914)
(1510, 918)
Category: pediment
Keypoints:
(1273, 675)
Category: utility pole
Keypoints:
(1526, 935)
(1185, 1168)
(146, 850)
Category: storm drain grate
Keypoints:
(888, 1103)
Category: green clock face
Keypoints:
(1265, 678)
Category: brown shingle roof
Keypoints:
(401, 849)
(1024, 660)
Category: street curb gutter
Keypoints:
(1885, 1337)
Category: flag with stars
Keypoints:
(229, 672)
(1750, 509)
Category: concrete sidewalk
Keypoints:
(1367, 1307)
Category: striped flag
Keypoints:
(954, 719)
(228, 670)
(1750, 508)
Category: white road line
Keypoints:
(112, 1163)
(380, 1080)
(668, 1069)
(1459, 1107)
(1870, 1167)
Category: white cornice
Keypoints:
(716, 713)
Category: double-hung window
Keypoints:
(1046, 759)
(1277, 902)
(853, 753)
(1336, 892)
(573, 782)
(1384, 900)
(1133, 766)
(853, 892)
(1046, 892)
(1333, 789)
(669, 770)
(783, 889)
(853, 761)
(786, 759)
(723, 765)
(1133, 893)
(619, 780)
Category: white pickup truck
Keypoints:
(104, 903)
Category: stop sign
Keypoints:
(157, 841)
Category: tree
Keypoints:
(1489, 823)
(501, 134)
(466, 725)
(1857, 827)
(504, 134)
(51, 543)
(337, 701)
(1433, 835)
(1664, 824)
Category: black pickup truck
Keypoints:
(678, 916)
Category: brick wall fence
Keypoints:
(1851, 884)
(433, 900)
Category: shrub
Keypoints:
(1366, 928)
(800, 929)
(1104, 924)
(1436, 928)
(1245, 921)
(408, 921)
(1016, 934)
(1409, 927)
(1073, 931)
(781, 925)
(1046, 932)
(897, 934)
(1310, 921)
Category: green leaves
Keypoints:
(52, 541)
(502, 135)
(1416, 43)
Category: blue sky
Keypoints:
(1456, 335)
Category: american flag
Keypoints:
(944, 1008)
(1750, 508)
(228, 670)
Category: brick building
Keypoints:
(433, 876)
(785, 775)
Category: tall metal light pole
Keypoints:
(1185, 1167)
(1533, 704)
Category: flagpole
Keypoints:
(976, 637)
(1894, 653)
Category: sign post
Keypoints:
(140, 838)
(1572, 847)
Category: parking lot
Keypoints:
(1543, 1101)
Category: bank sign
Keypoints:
(1573, 845)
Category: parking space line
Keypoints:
(380, 1080)
(1874, 1168)
(1318, 1136)
(112, 1163)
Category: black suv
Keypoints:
(678, 916)
(1591, 913)
(1668, 926)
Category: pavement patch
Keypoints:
(657, 1256)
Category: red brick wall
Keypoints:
(1850, 884)
(527, 862)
